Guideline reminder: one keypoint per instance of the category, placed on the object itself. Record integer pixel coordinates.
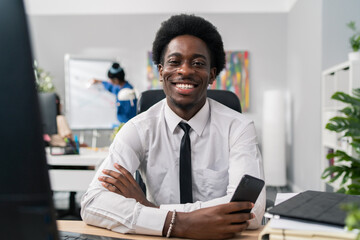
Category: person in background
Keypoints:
(220, 144)
(125, 95)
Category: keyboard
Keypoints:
(80, 236)
(323, 207)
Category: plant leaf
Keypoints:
(346, 98)
(351, 25)
(356, 92)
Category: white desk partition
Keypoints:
(74, 173)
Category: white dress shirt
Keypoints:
(224, 147)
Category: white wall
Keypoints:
(287, 51)
(103, 7)
(130, 36)
(335, 35)
(317, 39)
(304, 72)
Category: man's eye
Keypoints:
(197, 63)
(173, 62)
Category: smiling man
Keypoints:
(191, 150)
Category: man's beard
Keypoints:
(183, 106)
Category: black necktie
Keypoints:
(185, 166)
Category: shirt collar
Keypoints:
(197, 122)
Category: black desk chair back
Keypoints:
(150, 97)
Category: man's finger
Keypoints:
(112, 181)
(111, 187)
(238, 218)
(116, 175)
(237, 206)
(236, 227)
(125, 173)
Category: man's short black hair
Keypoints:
(184, 24)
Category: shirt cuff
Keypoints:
(171, 207)
(155, 225)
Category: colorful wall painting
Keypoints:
(152, 73)
(235, 76)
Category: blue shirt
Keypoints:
(125, 110)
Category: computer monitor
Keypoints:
(48, 110)
(26, 207)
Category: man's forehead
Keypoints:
(187, 43)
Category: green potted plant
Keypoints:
(347, 166)
(352, 220)
(43, 79)
(354, 42)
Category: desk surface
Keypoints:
(81, 227)
(87, 157)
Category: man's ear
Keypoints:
(212, 75)
(160, 69)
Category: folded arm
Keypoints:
(217, 222)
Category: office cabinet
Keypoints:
(343, 77)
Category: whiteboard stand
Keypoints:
(82, 137)
(95, 135)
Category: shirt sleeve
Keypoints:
(108, 86)
(106, 209)
(244, 158)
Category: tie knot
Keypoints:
(184, 126)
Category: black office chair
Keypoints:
(150, 97)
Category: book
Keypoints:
(271, 233)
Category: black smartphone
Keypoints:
(248, 189)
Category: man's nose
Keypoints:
(185, 69)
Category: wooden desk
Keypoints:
(81, 227)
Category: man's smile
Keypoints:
(184, 85)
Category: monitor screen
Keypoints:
(26, 210)
(48, 109)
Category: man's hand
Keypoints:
(123, 183)
(218, 222)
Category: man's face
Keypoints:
(186, 73)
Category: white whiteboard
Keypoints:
(88, 107)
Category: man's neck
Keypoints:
(185, 112)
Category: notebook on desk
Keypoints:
(322, 207)
(26, 205)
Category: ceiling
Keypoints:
(97, 7)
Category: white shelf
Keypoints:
(343, 77)
(334, 69)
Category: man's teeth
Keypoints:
(185, 86)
